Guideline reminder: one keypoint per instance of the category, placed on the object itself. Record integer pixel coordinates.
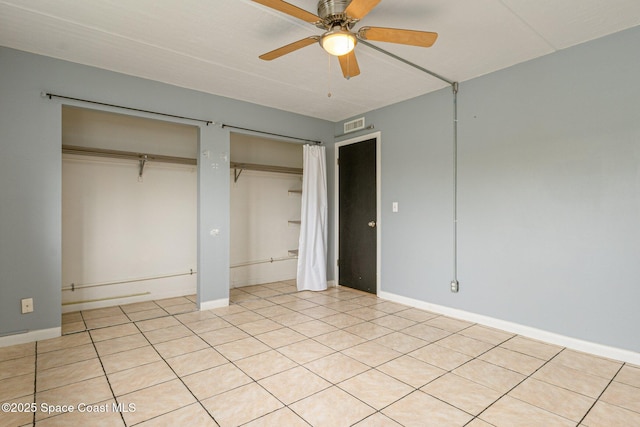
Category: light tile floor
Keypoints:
(278, 357)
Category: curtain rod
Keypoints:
(272, 134)
(53, 95)
(207, 122)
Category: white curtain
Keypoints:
(312, 255)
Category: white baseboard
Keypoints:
(527, 331)
(30, 336)
(217, 303)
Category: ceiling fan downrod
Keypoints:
(332, 13)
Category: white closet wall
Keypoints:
(117, 228)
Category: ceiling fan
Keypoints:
(337, 18)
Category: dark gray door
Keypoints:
(357, 215)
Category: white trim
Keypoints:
(332, 284)
(516, 328)
(31, 336)
(378, 138)
(216, 303)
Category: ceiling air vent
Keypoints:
(354, 125)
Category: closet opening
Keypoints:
(129, 217)
(266, 190)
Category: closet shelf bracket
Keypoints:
(143, 161)
(236, 174)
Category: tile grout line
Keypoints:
(105, 374)
(130, 320)
(288, 327)
(332, 384)
(375, 368)
(526, 378)
(66, 364)
(88, 331)
(478, 358)
(276, 350)
(212, 347)
(370, 368)
(600, 395)
(172, 370)
(450, 371)
(35, 383)
(254, 381)
(283, 326)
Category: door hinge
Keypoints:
(338, 161)
(338, 262)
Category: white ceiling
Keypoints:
(213, 45)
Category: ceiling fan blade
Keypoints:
(349, 65)
(358, 9)
(289, 9)
(396, 35)
(289, 48)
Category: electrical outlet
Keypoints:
(454, 286)
(27, 305)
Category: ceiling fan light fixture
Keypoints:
(338, 41)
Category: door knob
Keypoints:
(372, 224)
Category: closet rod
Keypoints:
(262, 168)
(53, 95)
(117, 154)
(73, 286)
(270, 133)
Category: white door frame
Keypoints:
(378, 137)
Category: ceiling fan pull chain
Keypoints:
(329, 77)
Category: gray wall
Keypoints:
(549, 193)
(549, 189)
(30, 172)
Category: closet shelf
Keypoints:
(293, 252)
(117, 154)
(239, 167)
(295, 221)
(295, 191)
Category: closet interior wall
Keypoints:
(129, 234)
(265, 209)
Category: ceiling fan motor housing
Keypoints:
(333, 13)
